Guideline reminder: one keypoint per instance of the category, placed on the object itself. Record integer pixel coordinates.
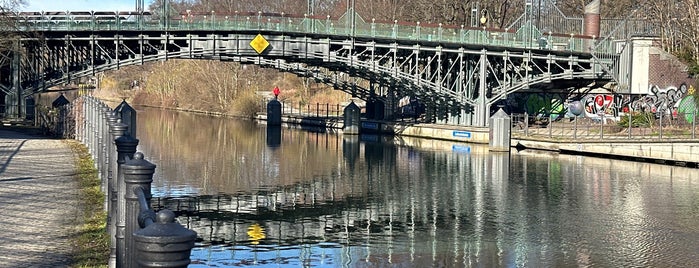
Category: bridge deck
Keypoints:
(526, 36)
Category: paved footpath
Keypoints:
(38, 200)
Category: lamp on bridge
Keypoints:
(484, 17)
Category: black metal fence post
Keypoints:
(164, 243)
(138, 173)
(128, 116)
(115, 130)
(125, 176)
(91, 127)
(126, 147)
(105, 150)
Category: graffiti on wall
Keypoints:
(668, 101)
(602, 105)
(542, 105)
(608, 106)
(661, 99)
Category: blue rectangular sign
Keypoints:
(461, 148)
(370, 125)
(462, 134)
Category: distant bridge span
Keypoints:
(457, 72)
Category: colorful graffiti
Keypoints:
(670, 101)
(688, 108)
(661, 100)
(544, 106)
(602, 105)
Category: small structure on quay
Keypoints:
(274, 113)
(351, 119)
(500, 132)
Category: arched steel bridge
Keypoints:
(459, 72)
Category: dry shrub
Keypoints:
(212, 86)
(149, 99)
(247, 104)
(330, 96)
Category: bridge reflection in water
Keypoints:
(319, 199)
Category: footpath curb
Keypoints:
(38, 199)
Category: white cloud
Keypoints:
(81, 5)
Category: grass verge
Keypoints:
(91, 242)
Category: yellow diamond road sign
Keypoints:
(259, 44)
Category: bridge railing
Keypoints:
(626, 126)
(523, 36)
(320, 110)
(138, 236)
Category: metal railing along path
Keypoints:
(139, 237)
(628, 126)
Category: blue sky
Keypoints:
(72, 5)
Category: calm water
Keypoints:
(288, 197)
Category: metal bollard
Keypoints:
(116, 129)
(164, 243)
(126, 147)
(138, 174)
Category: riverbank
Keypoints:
(649, 149)
(645, 149)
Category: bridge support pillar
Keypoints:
(13, 100)
(482, 109)
(375, 109)
(481, 112)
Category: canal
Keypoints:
(261, 196)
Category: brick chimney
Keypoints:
(592, 19)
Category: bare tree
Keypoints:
(11, 5)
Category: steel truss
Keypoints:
(458, 82)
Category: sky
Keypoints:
(81, 5)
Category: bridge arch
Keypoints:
(458, 77)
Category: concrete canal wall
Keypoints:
(675, 151)
(680, 152)
(653, 150)
(430, 131)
